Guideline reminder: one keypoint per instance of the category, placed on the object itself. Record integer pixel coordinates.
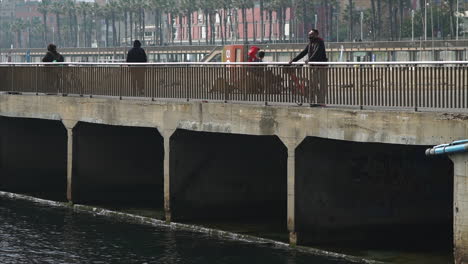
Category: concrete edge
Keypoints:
(188, 228)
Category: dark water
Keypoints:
(32, 233)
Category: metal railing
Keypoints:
(435, 85)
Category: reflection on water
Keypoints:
(31, 233)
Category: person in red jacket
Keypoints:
(252, 55)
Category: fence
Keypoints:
(390, 85)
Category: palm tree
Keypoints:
(244, 5)
(159, 7)
(208, 8)
(106, 15)
(70, 10)
(188, 7)
(113, 8)
(35, 31)
(57, 9)
(84, 9)
(140, 11)
(124, 7)
(97, 14)
(43, 8)
(18, 27)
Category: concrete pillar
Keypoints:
(167, 133)
(69, 125)
(460, 208)
(291, 144)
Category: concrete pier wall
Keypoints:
(117, 164)
(373, 192)
(460, 209)
(405, 187)
(33, 156)
(215, 175)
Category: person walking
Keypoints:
(316, 52)
(137, 55)
(54, 76)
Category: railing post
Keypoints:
(121, 82)
(361, 88)
(12, 78)
(417, 85)
(265, 87)
(226, 84)
(185, 80)
(36, 81)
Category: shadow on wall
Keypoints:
(372, 193)
(116, 164)
(227, 176)
(33, 157)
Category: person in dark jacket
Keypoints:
(52, 55)
(137, 55)
(54, 78)
(315, 49)
(315, 52)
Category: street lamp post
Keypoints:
(315, 21)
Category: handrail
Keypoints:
(423, 85)
(242, 63)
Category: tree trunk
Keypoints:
(254, 25)
(245, 25)
(71, 27)
(180, 29)
(114, 31)
(390, 17)
(98, 30)
(205, 21)
(379, 19)
(107, 32)
(76, 33)
(351, 20)
(131, 28)
(44, 19)
(189, 25)
(373, 24)
(143, 26)
(221, 26)
(262, 24)
(291, 28)
(236, 24)
(304, 19)
(452, 22)
(270, 18)
(400, 25)
(160, 28)
(138, 34)
(125, 26)
(155, 26)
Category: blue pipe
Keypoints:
(454, 147)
